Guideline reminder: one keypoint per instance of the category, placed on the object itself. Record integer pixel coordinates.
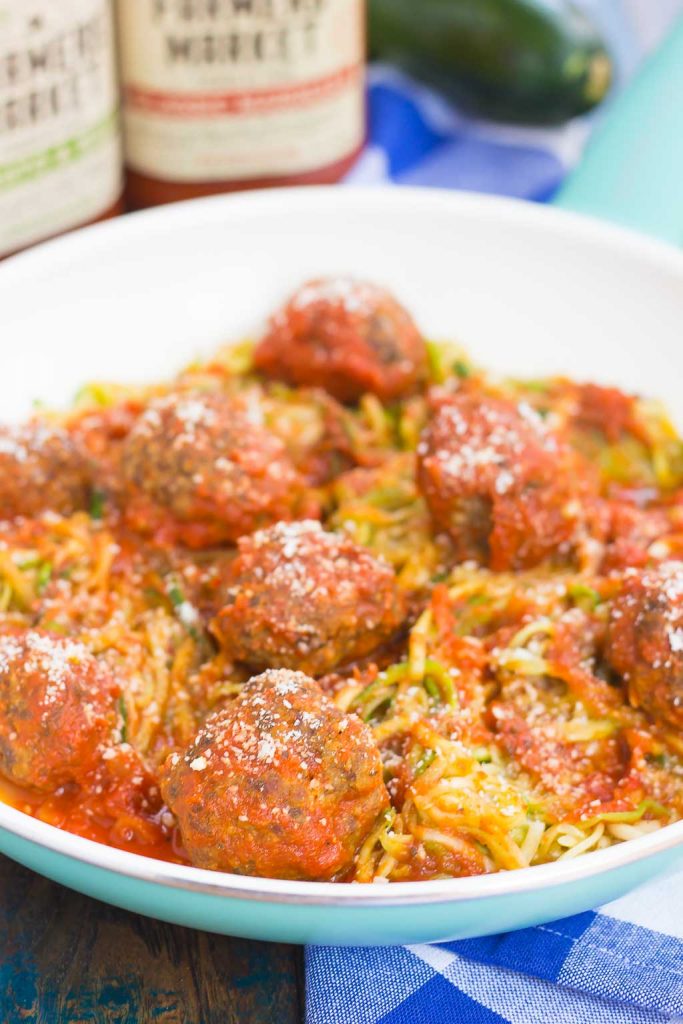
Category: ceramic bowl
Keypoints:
(526, 289)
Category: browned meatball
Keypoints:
(57, 709)
(41, 470)
(510, 493)
(348, 337)
(202, 470)
(280, 784)
(299, 597)
(645, 640)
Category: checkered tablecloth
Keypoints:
(622, 964)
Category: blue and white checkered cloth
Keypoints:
(416, 138)
(622, 964)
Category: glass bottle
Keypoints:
(60, 142)
(222, 95)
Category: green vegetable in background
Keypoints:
(510, 60)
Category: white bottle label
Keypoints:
(223, 90)
(60, 150)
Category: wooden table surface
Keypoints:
(66, 959)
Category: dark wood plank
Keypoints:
(66, 959)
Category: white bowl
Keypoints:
(526, 289)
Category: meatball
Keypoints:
(645, 640)
(509, 492)
(202, 470)
(348, 337)
(280, 783)
(299, 597)
(41, 469)
(57, 709)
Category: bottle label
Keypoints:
(60, 150)
(223, 90)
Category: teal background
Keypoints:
(632, 170)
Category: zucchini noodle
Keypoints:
(506, 740)
(464, 803)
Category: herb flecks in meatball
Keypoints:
(645, 640)
(203, 470)
(280, 784)
(57, 710)
(299, 597)
(41, 470)
(509, 492)
(348, 337)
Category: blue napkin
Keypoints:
(622, 964)
(416, 138)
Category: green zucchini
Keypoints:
(524, 61)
